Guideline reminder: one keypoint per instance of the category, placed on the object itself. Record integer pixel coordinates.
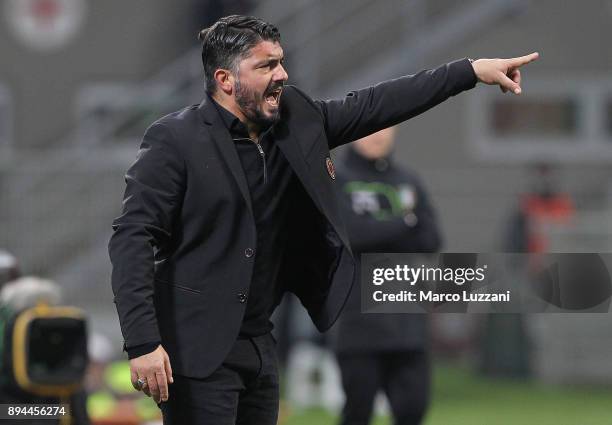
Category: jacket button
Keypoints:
(241, 297)
(248, 253)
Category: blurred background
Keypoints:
(80, 80)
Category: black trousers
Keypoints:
(403, 375)
(243, 390)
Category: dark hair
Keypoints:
(229, 40)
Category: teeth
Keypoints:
(273, 97)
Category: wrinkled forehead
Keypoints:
(265, 50)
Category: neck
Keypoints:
(233, 107)
(372, 159)
(253, 129)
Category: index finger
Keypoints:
(524, 60)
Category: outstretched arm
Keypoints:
(363, 112)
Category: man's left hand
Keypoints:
(503, 72)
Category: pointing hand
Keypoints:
(502, 72)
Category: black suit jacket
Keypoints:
(183, 248)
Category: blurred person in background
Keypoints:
(542, 206)
(386, 209)
(506, 348)
(231, 203)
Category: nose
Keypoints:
(281, 74)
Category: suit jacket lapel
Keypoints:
(293, 148)
(289, 145)
(296, 142)
(223, 140)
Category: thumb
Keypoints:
(508, 84)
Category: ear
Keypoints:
(225, 80)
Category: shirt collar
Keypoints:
(381, 165)
(235, 127)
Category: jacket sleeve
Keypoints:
(155, 185)
(369, 110)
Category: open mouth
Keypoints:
(273, 97)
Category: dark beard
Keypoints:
(250, 105)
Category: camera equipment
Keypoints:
(43, 348)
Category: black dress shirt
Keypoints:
(268, 175)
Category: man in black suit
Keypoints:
(231, 203)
